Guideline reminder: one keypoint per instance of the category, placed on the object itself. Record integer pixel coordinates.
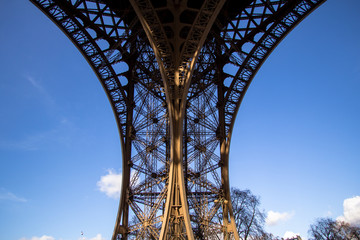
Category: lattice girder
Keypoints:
(175, 73)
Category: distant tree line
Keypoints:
(329, 229)
(250, 222)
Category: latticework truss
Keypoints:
(175, 73)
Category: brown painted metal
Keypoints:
(175, 73)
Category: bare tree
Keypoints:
(329, 229)
(249, 219)
(266, 236)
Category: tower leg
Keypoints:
(176, 219)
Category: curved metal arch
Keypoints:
(243, 35)
(144, 157)
(224, 46)
(285, 15)
(84, 34)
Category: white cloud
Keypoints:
(36, 84)
(351, 211)
(6, 195)
(44, 237)
(274, 218)
(289, 234)
(110, 184)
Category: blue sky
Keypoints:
(296, 141)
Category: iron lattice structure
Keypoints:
(175, 73)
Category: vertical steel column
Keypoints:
(176, 68)
(176, 210)
(176, 215)
(228, 216)
(122, 219)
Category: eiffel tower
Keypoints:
(175, 73)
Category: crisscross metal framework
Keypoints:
(175, 73)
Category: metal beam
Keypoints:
(175, 73)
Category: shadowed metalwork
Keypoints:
(175, 73)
